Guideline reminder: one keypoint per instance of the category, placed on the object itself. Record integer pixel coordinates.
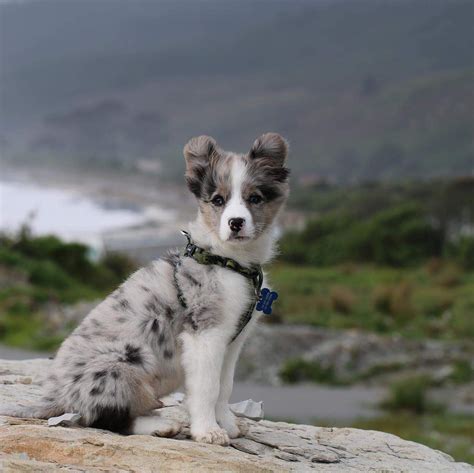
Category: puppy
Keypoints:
(179, 321)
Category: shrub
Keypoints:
(342, 299)
(463, 372)
(120, 265)
(297, 370)
(410, 394)
(394, 300)
(463, 252)
(293, 248)
(48, 274)
(399, 236)
(50, 262)
(45, 270)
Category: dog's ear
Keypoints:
(272, 147)
(199, 150)
(197, 153)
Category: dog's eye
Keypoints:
(218, 200)
(255, 199)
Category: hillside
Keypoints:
(363, 89)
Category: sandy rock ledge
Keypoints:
(28, 445)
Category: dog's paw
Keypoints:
(233, 430)
(168, 429)
(215, 436)
(228, 422)
(156, 426)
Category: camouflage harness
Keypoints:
(254, 274)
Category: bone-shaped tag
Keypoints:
(265, 301)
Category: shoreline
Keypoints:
(106, 187)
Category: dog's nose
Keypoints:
(236, 224)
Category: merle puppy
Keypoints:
(178, 321)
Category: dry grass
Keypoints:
(434, 266)
(381, 299)
(342, 299)
(394, 300)
(450, 276)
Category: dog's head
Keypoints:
(239, 195)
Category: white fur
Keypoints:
(155, 425)
(261, 250)
(209, 364)
(236, 207)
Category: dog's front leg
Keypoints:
(202, 358)
(225, 417)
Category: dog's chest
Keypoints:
(237, 292)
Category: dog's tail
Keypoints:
(35, 411)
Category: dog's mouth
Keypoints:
(239, 238)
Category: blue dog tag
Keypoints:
(265, 301)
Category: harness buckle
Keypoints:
(190, 247)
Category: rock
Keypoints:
(28, 445)
(248, 446)
(352, 355)
(289, 457)
(325, 457)
(250, 409)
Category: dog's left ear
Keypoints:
(272, 147)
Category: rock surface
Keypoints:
(29, 445)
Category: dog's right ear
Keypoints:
(199, 150)
(197, 153)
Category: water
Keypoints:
(66, 213)
(303, 403)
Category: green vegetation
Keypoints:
(37, 275)
(463, 372)
(399, 236)
(386, 224)
(411, 394)
(447, 200)
(382, 257)
(463, 252)
(297, 370)
(435, 299)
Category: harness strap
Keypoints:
(179, 292)
(254, 274)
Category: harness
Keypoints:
(254, 274)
